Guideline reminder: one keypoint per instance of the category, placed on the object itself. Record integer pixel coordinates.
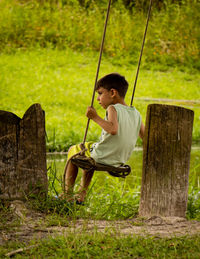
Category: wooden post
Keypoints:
(22, 154)
(166, 160)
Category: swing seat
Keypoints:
(88, 163)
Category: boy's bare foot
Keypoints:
(79, 200)
(80, 197)
(66, 196)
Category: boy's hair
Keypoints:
(115, 81)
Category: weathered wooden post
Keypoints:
(22, 154)
(166, 160)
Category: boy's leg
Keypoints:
(85, 182)
(70, 177)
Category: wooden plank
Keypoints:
(23, 154)
(166, 160)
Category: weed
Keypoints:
(193, 209)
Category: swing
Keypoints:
(88, 163)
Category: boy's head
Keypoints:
(114, 81)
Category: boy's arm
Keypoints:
(110, 125)
(142, 129)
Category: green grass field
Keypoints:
(101, 245)
(62, 82)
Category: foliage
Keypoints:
(51, 205)
(173, 36)
(193, 210)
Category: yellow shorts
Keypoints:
(77, 148)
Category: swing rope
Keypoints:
(98, 68)
(99, 62)
(141, 51)
(80, 159)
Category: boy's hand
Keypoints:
(91, 113)
(110, 125)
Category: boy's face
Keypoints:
(105, 97)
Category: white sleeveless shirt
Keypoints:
(116, 149)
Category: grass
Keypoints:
(109, 245)
(62, 82)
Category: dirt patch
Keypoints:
(154, 226)
(24, 225)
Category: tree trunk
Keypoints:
(23, 154)
(166, 160)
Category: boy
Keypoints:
(120, 130)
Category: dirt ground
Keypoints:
(31, 225)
